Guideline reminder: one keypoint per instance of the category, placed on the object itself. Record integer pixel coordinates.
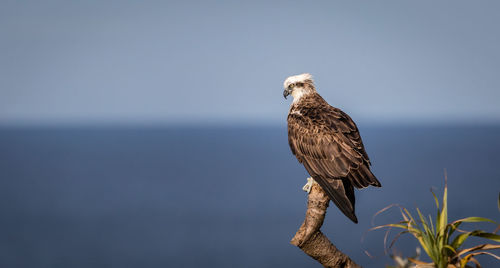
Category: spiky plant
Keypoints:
(442, 241)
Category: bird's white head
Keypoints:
(298, 86)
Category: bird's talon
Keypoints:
(308, 186)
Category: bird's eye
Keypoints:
(291, 86)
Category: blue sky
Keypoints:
(171, 62)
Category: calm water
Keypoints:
(215, 197)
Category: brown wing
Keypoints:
(327, 142)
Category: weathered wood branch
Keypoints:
(311, 240)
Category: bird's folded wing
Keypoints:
(329, 145)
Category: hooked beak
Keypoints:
(286, 92)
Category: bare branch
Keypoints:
(311, 240)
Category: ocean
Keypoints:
(219, 196)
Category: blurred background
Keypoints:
(153, 133)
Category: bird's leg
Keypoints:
(309, 184)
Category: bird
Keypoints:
(327, 142)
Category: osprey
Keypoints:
(327, 142)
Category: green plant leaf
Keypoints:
(431, 224)
(409, 215)
(460, 239)
(424, 223)
(452, 229)
(450, 248)
(435, 199)
(438, 220)
(443, 215)
(475, 219)
(489, 236)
